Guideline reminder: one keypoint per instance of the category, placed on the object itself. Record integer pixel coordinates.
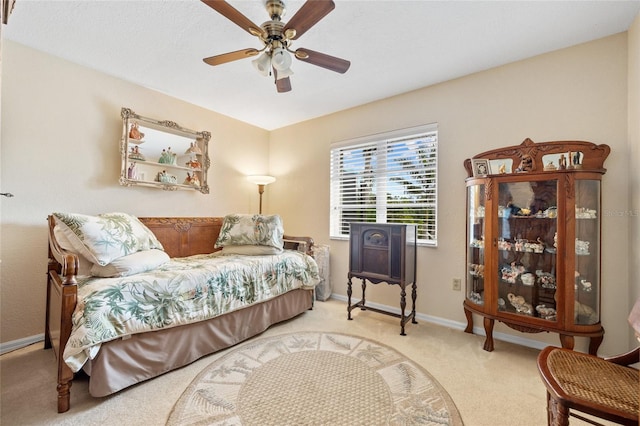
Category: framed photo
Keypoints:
(481, 167)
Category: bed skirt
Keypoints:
(122, 363)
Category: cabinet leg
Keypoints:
(349, 291)
(364, 288)
(567, 341)
(403, 305)
(594, 344)
(469, 315)
(488, 329)
(414, 294)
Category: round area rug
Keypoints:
(314, 378)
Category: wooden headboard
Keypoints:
(185, 236)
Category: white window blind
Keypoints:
(386, 178)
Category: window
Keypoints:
(386, 178)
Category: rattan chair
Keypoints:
(603, 387)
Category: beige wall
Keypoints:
(61, 129)
(578, 93)
(634, 164)
(61, 126)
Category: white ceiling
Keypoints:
(394, 46)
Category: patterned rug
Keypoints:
(314, 378)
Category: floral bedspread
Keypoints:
(182, 291)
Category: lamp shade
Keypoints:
(281, 59)
(280, 74)
(261, 179)
(262, 64)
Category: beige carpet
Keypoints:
(314, 378)
(499, 388)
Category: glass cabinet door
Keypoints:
(475, 244)
(587, 247)
(526, 256)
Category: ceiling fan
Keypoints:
(277, 37)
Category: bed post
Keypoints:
(62, 291)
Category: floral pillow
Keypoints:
(247, 229)
(106, 237)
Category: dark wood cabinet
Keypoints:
(381, 252)
(533, 240)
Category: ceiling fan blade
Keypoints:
(232, 14)
(309, 14)
(283, 85)
(323, 60)
(231, 56)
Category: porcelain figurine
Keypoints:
(520, 304)
(134, 132)
(562, 162)
(193, 149)
(546, 312)
(132, 172)
(526, 164)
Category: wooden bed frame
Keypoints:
(180, 237)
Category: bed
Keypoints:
(211, 296)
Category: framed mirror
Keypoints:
(163, 154)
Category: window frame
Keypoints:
(380, 178)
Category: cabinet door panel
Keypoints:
(476, 200)
(526, 263)
(587, 247)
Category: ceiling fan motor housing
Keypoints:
(273, 30)
(275, 9)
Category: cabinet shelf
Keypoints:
(165, 165)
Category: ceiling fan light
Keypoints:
(280, 74)
(280, 59)
(262, 64)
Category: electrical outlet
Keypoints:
(457, 284)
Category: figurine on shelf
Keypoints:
(134, 132)
(193, 149)
(576, 160)
(168, 157)
(584, 314)
(502, 169)
(546, 312)
(132, 171)
(526, 164)
(518, 302)
(563, 162)
(135, 154)
(192, 180)
(165, 177)
(194, 164)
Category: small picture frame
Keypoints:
(481, 167)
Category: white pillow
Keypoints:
(106, 237)
(141, 261)
(251, 250)
(84, 265)
(248, 229)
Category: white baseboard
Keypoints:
(20, 343)
(456, 325)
